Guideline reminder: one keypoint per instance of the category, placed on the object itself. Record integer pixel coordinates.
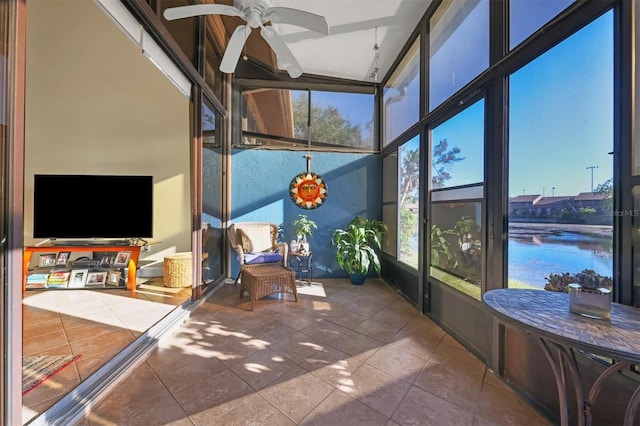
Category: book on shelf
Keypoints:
(59, 276)
(37, 280)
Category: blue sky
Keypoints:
(560, 120)
(560, 114)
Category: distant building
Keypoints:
(523, 204)
(593, 200)
(546, 206)
(537, 206)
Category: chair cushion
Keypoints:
(256, 258)
(258, 236)
(244, 241)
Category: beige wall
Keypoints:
(96, 105)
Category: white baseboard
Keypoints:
(150, 272)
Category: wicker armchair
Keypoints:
(256, 243)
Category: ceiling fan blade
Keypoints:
(300, 18)
(285, 57)
(234, 49)
(200, 9)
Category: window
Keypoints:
(342, 119)
(274, 112)
(456, 243)
(458, 149)
(527, 16)
(401, 96)
(457, 191)
(636, 246)
(560, 170)
(281, 117)
(390, 201)
(212, 74)
(408, 200)
(458, 47)
(212, 238)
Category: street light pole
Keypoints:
(592, 167)
(553, 191)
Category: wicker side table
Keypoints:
(177, 270)
(263, 280)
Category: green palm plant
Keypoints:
(357, 247)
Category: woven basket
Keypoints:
(178, 270)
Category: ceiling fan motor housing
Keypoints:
(254, 11)
(262, 5)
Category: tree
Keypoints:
(328, 124)
(410, 174)
(606, 187)
(443, 159)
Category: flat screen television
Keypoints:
(92, 206)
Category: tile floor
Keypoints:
(97, 324)
(341, 355)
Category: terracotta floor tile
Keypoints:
(342, 355)
(501, 405)
(141, 399)
(356, 344)
(377, 329)
(377, 389)
(399, 364)
(252, 409)
(451, 385)
(102, 343)
(420, 407)
(341, 409)
(262, 367)
(297, 393)
(324, 331)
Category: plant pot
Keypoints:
(357, 279)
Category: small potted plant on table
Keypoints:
(358, 246)
(303, 227)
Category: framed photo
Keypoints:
(47, 259)
(122, 259)
(63, 258)
(113, 278)
(96, 279)
(105, 262)
(78, 278)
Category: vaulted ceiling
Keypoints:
(355, 26)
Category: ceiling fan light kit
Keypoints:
(256, 13)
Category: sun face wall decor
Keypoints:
(308, 190)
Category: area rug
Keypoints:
(37, 369)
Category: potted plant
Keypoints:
(358, 246)
(303, 228)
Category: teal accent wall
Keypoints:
(260, 182)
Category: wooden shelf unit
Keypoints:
(131, 268)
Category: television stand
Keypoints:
(124, 262)
(68, 243)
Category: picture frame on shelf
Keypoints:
(96, 279)
(113, 278)
(63, 258)
(105, 262)
(78, 278)
(122, 259)
(47, 259)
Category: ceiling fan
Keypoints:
(256, 13)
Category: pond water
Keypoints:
(533, 257)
